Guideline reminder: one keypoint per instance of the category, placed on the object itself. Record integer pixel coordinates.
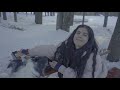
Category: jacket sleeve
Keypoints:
(100, 68)
(43, 50)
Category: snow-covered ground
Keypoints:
(31, 34)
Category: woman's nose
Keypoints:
(80, 36)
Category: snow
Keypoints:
(31, 73)
(31, 35)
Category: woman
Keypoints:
(76, 57)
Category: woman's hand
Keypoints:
(69, 73)
(53, 64)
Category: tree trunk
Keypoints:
(45, 14)
(64, 21)
(114, 45)
(26, 13)
(0, 17)
(0, 14)
(83, 18)
(72, 18)
(106, 19)
(51, 13)
(38, 17)
(48, 13)
(95, 13)
(4, 16)
(15, 16)
(59, 20)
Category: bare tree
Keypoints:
(114, 45)
(0, 17)
(95, 13)
(38, 17)
(72, 18)
(46, 13)
(0, 14)
(83, 18)
(51, 14)
(106, 19)
(15, 16)
(59, 20)
(26, 13)
(64, 21)
(4, 16)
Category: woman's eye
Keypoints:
(85, 35)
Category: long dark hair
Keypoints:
(67, 55)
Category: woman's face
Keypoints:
(80, 37)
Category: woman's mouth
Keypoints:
(79, 39)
